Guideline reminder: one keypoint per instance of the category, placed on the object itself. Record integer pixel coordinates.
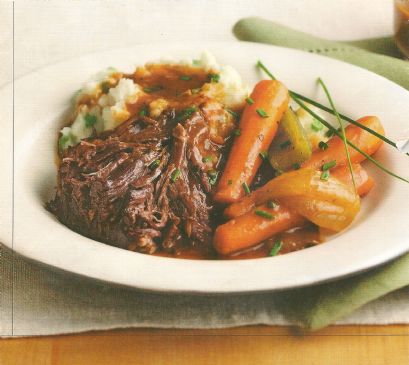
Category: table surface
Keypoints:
(259, 345)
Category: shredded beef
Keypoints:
(142, 186)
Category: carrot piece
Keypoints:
(258, 126)
(364, 182)
(249, 229)
(367, 142)
(335, 151)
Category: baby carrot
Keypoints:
(249, 229)
(258, 126)
(364, 182)
(336, 150)
(252, 227)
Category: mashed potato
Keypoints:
(103, 102)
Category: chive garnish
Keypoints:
(262, 113)
(212, 177)
(296, 166)
(329, 110)
(330, 133)
(344, 138)
(185, 78)
(63, 141)
(325, 175)
(175, 174)
(229, 182)
(213, 77)
(186, 113)
(329, 126)
(236, 132)
(249, 101)
(207, 159)
(316, 125)
(285, 144)
(272, 204)
(144, 111)
(276, 248)
(264, 214)
(233, 113)
(263, 155)
(154, 164)
(152, 89)
(329, 165)
(246, 188)
(90, 120)
(322, 145)
(298, 98)
(105, 86)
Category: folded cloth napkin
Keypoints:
(372, 54)
(316, 307)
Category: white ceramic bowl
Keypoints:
(380, 232)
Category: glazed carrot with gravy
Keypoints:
(334, 152)
(257, 128)
(366, 141)
(254, 227)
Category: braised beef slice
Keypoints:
(120, 188)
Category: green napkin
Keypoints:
(318, 306)
(360, 53)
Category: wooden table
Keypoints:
(246, 345)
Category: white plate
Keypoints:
(380, 233)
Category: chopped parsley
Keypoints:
(296, 166)
(185, 78)
(207, 159)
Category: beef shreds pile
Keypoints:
(143, 186)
